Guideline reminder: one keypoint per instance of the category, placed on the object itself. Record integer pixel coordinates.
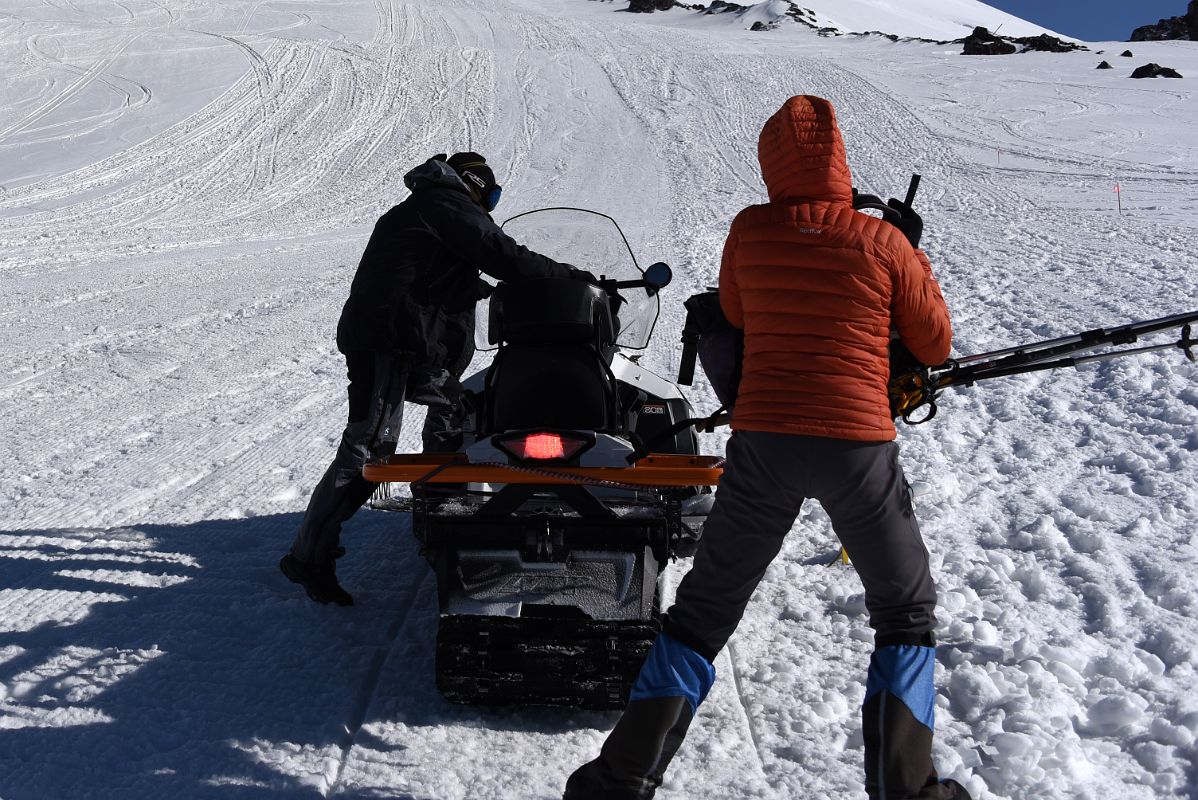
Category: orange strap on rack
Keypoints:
(657, 470)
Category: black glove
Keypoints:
(902, 360)
(582, 275)
(910, 223)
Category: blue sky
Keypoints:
(1092, 20)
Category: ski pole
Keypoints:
(968, 378)
(1050, 348)
(919, 388)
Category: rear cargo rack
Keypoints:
(657, 470)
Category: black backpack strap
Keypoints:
(690, 349)
(703, 315)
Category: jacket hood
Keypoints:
(802, 154)
(434, 173)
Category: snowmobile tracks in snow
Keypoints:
(370, 682)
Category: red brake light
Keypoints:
(543, 445)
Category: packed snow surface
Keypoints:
(186, 188)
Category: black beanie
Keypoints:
(473, 170)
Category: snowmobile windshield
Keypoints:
(593, 242)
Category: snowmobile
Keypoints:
(579, 479)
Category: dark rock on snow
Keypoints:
(983, 43)
(1105, 65)
(720, 7)
(649, 6)
(1127, 54)
(1047, 44)
(1155, 71)
(1183, 27)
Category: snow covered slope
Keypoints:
(926, 19)
(186, 190)
(930, 19)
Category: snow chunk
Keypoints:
(1112, 715)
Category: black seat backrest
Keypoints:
(550, 371)
(550, 310)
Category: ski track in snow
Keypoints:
(184, 190)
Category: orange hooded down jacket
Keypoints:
(816, 286)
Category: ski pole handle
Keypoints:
(912, 189)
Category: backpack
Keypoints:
(717, 344)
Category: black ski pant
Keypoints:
(376, 396)
(442, 432)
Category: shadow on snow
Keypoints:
(176, 661)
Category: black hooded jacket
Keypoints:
(420, 269)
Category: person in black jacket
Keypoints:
(407, 332)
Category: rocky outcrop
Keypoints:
(649, 6)
(803, 16)
(1155, 71)
(984, 43)
(1047, 44)
(1183, 27)
(720, 7)
(1105, 65)
(980, 42)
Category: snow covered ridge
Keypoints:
(939, 20)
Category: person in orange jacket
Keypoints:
(817, 288)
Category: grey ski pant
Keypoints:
(376, 396)
(767, 477)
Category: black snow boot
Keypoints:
(637, 751)
(318, 580)
(898, 754)
(595, 781)
(945, 790)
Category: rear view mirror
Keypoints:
(658, 276)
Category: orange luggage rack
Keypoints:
(659, 470)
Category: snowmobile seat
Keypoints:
(552, 386)
(550, 371)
